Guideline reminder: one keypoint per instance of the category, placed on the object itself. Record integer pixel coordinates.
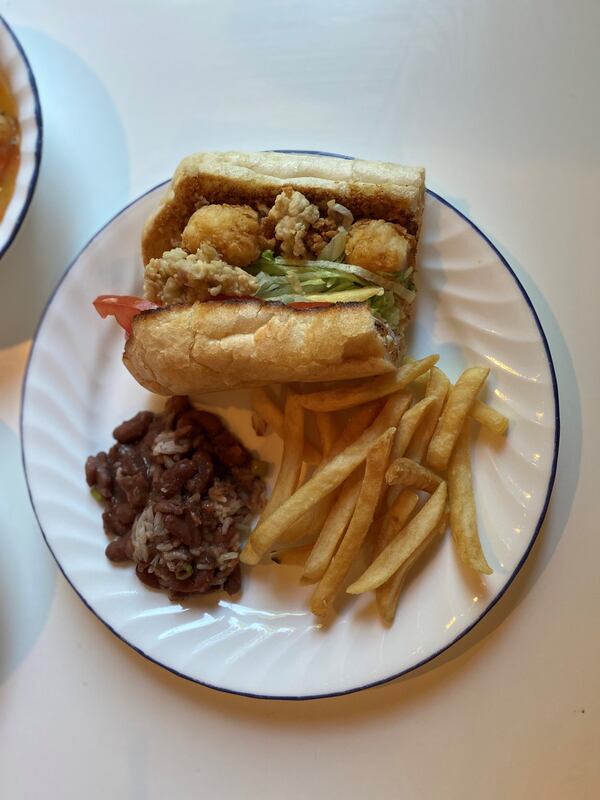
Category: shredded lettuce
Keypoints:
(406, 279)
(334, 249)
(290, 281)
(386, 307)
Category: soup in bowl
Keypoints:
(20, 135)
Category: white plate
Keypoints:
(472, 310)
(17, 72)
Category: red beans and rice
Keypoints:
(179, 492)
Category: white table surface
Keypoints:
(499, 100)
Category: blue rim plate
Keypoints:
(64, 416)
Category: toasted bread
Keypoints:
(369, 189)
(221, 344)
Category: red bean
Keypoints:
(91, 472)
(210, 422)
(177, 404)
(200, 482)
(230, 451)
(173, 479)
(120, 549)
(133, 429)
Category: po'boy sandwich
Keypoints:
(270, 268)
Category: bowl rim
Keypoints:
(37, 115)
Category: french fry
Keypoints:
(358, 423)
(294, 556)
(403, 545)
(328, 430)
(333, 529)
(437, 388)
(266, 408)
(371, 389)
(314, 519)
(436, 383)
(408, 425)
(460, 399)
(409, 473)
(360, 523)
(310, 523)
(291, 461)
(491, 419)
(322, 483)
(395, 519)
(422, 379)
(410, 422)
(387, 596)
(463, 517)
(323, 524)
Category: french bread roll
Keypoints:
(227, 343)
(369, 189)
(221, 344)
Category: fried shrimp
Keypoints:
(179, 277)
(290, 220)
(233, 231)
(378, 246)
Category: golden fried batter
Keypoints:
(180, 277)
(378, 246)
(338, 220)
(232, 230)
(289, 221)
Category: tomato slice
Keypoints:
(123, 307)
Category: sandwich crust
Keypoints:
(369, 189)
(221, 344)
